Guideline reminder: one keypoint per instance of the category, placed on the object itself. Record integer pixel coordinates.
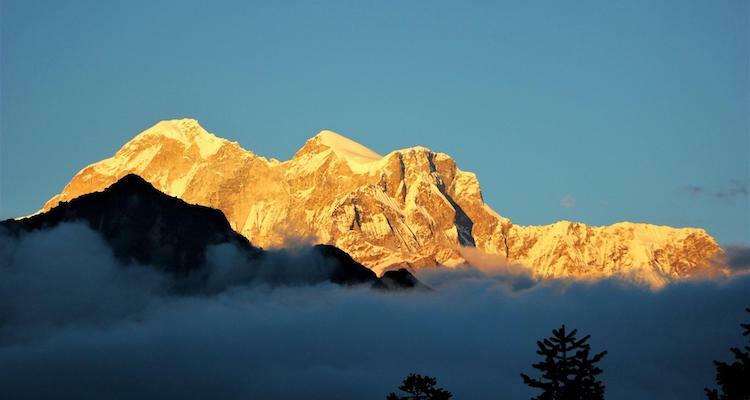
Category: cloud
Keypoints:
(738, 257)
(568, 201)
(733, 188)
(67, 275)
(484, 266)
(694, 190)
(82, 327)
(227, 267)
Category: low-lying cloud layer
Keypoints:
(738, 258)
(75, 324)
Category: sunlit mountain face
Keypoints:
(410, 208)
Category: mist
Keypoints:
(74, 323)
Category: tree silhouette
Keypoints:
(418, 387)
(734, 378)
(568, 373)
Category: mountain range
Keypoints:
(147, 228)
(411, 208)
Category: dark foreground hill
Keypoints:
(144, 226)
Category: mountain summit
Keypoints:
(412, 207)
(345, 147)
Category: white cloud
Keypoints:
(568, 201)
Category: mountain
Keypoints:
(399, 279)
(410, 208)
(144, 225)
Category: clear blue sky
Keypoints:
(631, 110)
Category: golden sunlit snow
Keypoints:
(411, 206)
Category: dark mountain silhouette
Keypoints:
(348, 271)
(399, 279)
(145, 226)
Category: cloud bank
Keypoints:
(75, 324)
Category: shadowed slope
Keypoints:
(144, 225)
(399, 279)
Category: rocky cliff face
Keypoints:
(411, 207)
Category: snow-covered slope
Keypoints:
(349, 150)
(410, 207)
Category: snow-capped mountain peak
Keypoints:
(346, 148)
(359, 158)
(413, 207)
(187, 132)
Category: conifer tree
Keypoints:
(733, 379)
(418, 387)
(568, 370)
